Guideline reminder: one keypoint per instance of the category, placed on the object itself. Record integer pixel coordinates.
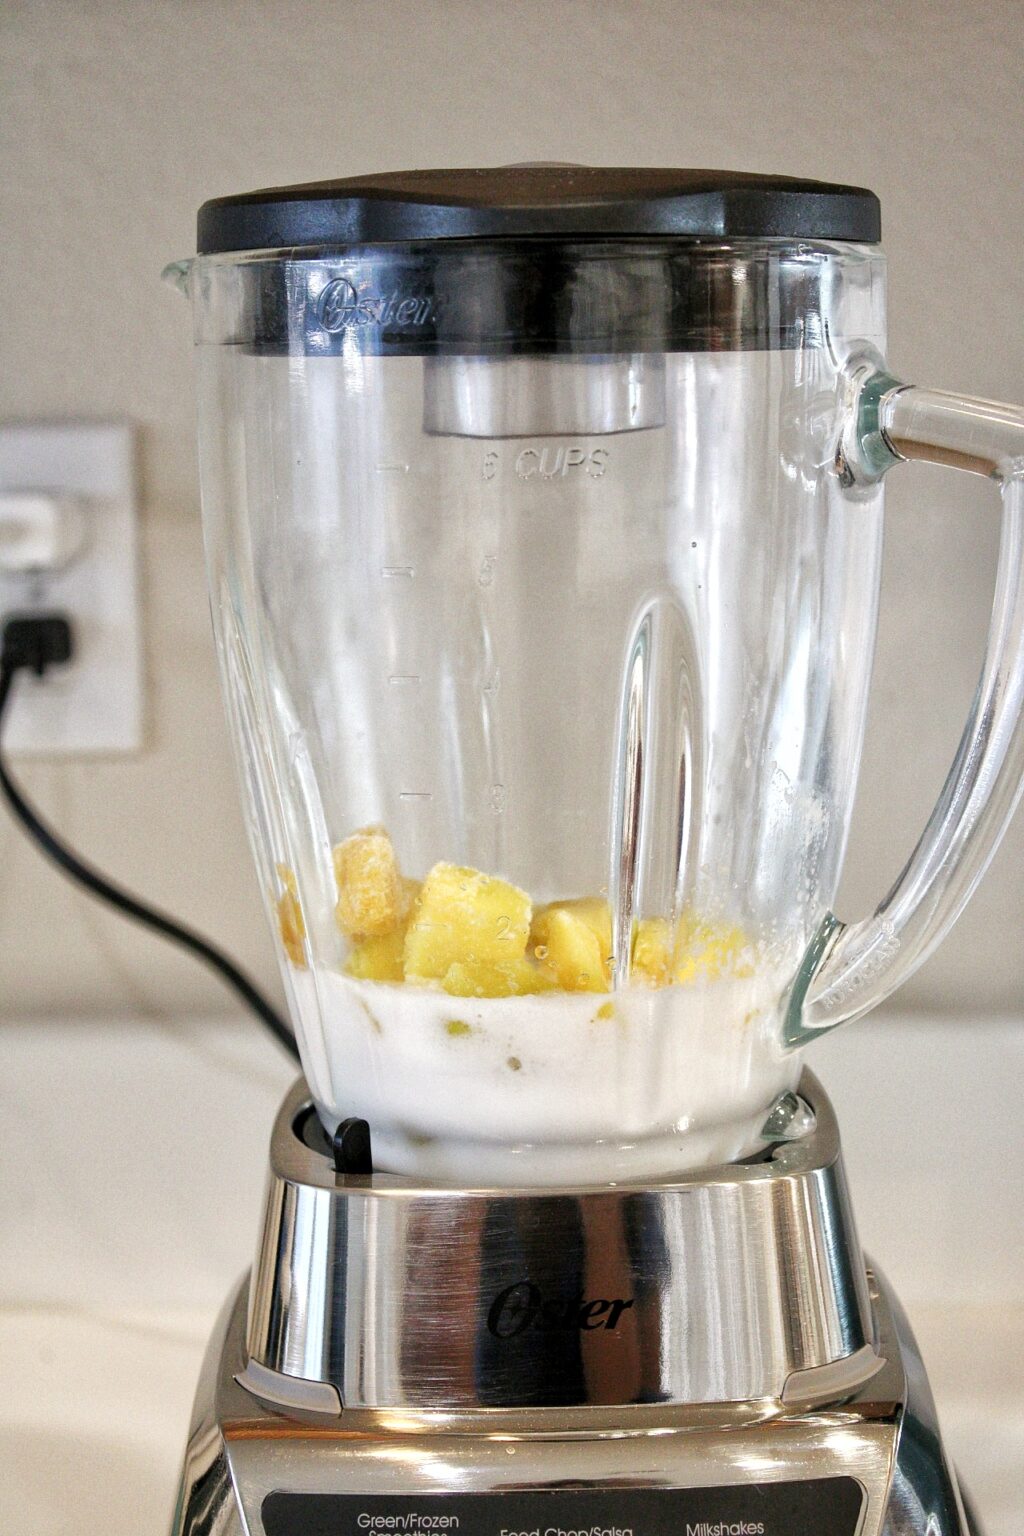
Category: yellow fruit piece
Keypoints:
(516, 979)
(290, 923)
(372, 897)
(572, 941)
(706, 949)
(464, 917)
(652, 951)
(592, 911)
(378, 959)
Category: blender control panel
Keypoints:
(805, 1508)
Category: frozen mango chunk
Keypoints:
(592, 910)
(379, 958)
(708, 949)
(464, 917)
(572, 941)
(372, 897)
(652, 951)
(290, 923)
(516, 978)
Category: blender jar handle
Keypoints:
(851, 968)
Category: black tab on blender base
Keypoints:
(353, 1151)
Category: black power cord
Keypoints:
(37, 642)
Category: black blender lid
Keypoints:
(522, 201)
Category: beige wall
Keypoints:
(118, 119)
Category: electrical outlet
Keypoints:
(68, 543)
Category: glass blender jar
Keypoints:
(543, 510)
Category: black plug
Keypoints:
(36, 641)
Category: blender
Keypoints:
(543, 512)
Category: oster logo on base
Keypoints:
(522, 1306)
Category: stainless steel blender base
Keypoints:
(716, 1359)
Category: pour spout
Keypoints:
(179, 275)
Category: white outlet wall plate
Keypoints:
(94, 706)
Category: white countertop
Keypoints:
(134, 1162)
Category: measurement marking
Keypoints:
(415, 794)
(404, 677)
(392, 571)
(394, 469)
